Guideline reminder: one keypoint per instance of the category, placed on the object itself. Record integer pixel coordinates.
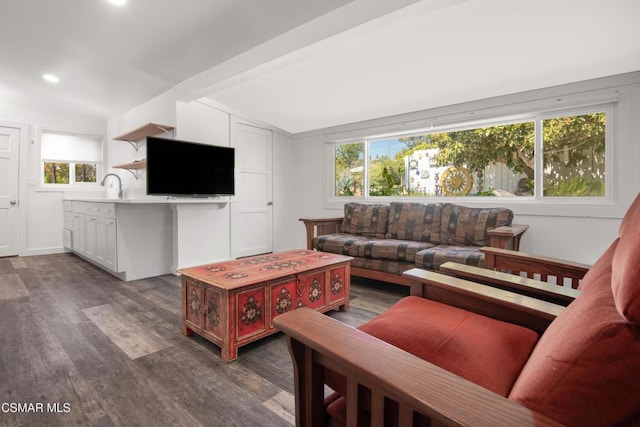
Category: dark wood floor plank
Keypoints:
(132, 336)
(11, 286)
(36, 369)
(6, 266)
(211, 389)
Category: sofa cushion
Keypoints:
(585, 368)
(365, 220)
(415, 221)
(483, 350)
(384, 265)
(462, 225)
(339, 243)
(390, 249)
(432, 258)
(369, 247)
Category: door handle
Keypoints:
(13, 202)
(269, 203)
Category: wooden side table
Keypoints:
(507, 236)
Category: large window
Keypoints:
(70, 160)
(498, 158)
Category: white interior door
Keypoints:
(9, 146)
(251, 211)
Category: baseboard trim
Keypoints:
(42, 251)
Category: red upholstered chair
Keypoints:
(458, 352)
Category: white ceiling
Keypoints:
(307, 64)
(110, 59)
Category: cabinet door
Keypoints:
(111, 257)
(78, 233)
(91, 238)
(106, 243)
(101, 240)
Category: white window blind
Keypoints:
(71, 148)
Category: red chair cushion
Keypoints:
(625, 278)
(585, 369)
(488, 352)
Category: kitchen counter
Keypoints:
(150, 200)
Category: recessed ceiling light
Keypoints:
(118, 2)
(51, 78)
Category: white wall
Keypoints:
(578, 233)
(285, 219)
(41, 210)
(204, 230)
(208, 122)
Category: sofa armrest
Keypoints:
(531, 287)
(532, 313)
(532, 265)
(317, 341)
(320, 226)
(507, 237)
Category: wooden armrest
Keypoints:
(507, 237)
(532, 313)
(319, 226)
(526, 286)
(517, 262)
(317, 341)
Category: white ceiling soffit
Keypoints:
(438, 52)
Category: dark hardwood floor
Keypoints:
(80, 347)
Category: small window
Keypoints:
(70, 159)
(349, 167)
(574, 156)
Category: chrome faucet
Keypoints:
(119, 183)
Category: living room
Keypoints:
(212, 106)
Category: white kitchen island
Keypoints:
(135, 238)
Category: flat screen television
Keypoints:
(188, 169)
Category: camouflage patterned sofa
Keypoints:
(386, 240)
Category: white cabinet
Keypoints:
(130, 240)
(92, 227)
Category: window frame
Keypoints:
(607, 106)
(72, 185)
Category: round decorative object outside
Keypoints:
(456, 181)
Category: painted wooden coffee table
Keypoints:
(233, 303)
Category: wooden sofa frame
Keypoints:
(418, 386)
(506, 237)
